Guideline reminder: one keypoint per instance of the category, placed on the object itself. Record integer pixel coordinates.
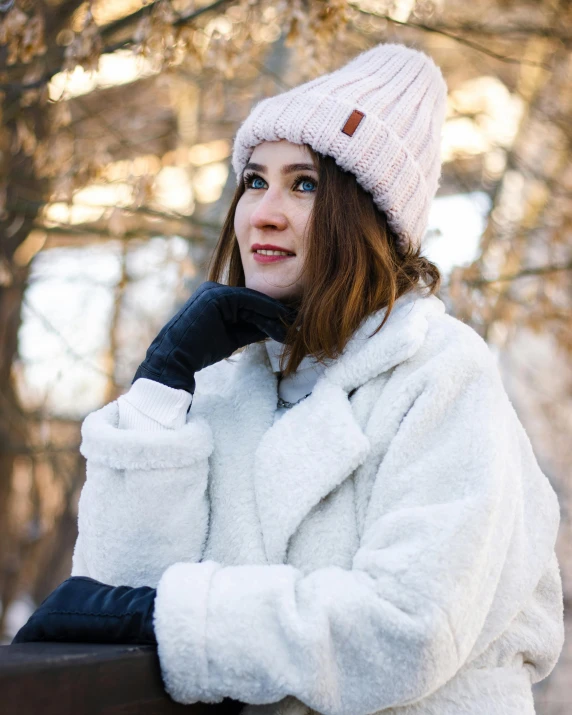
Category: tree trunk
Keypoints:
(24, 195)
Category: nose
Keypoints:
(268, 212)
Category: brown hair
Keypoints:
(353, 266)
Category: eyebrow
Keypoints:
(287, 169)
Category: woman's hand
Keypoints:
(214, 322)
(83, 610)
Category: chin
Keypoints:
(284, 294)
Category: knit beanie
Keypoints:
(379, 116)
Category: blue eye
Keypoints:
(306, 180)
(249, 180)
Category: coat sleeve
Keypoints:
(144, 503)
(445, 513)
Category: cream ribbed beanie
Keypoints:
(379, 116)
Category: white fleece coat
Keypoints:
(386, 545)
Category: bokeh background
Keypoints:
(116, 127)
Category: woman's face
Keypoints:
(280, 188)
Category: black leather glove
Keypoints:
(214, 322)
(83, 610)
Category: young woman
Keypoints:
(346, 516)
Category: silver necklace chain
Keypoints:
(285, 403)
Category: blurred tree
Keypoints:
(142, 101)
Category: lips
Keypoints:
(269, 247)
(262, 258)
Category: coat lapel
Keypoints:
(306, 454)
(318, 443)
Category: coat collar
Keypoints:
(318, 443)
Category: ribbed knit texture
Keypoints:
(395, 152)
(150, 406)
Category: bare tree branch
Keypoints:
(534, 271)
(109, 30)
(68, 348)
(453, 36)
(491, 30)
(129, 20)
(144, 210)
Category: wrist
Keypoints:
(149, 404)
(184, 382)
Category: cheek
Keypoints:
(302, 225)
(240, 224)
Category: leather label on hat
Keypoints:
(353, 122)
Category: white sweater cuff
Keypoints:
(152, 406)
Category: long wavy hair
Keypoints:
(353, 266)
